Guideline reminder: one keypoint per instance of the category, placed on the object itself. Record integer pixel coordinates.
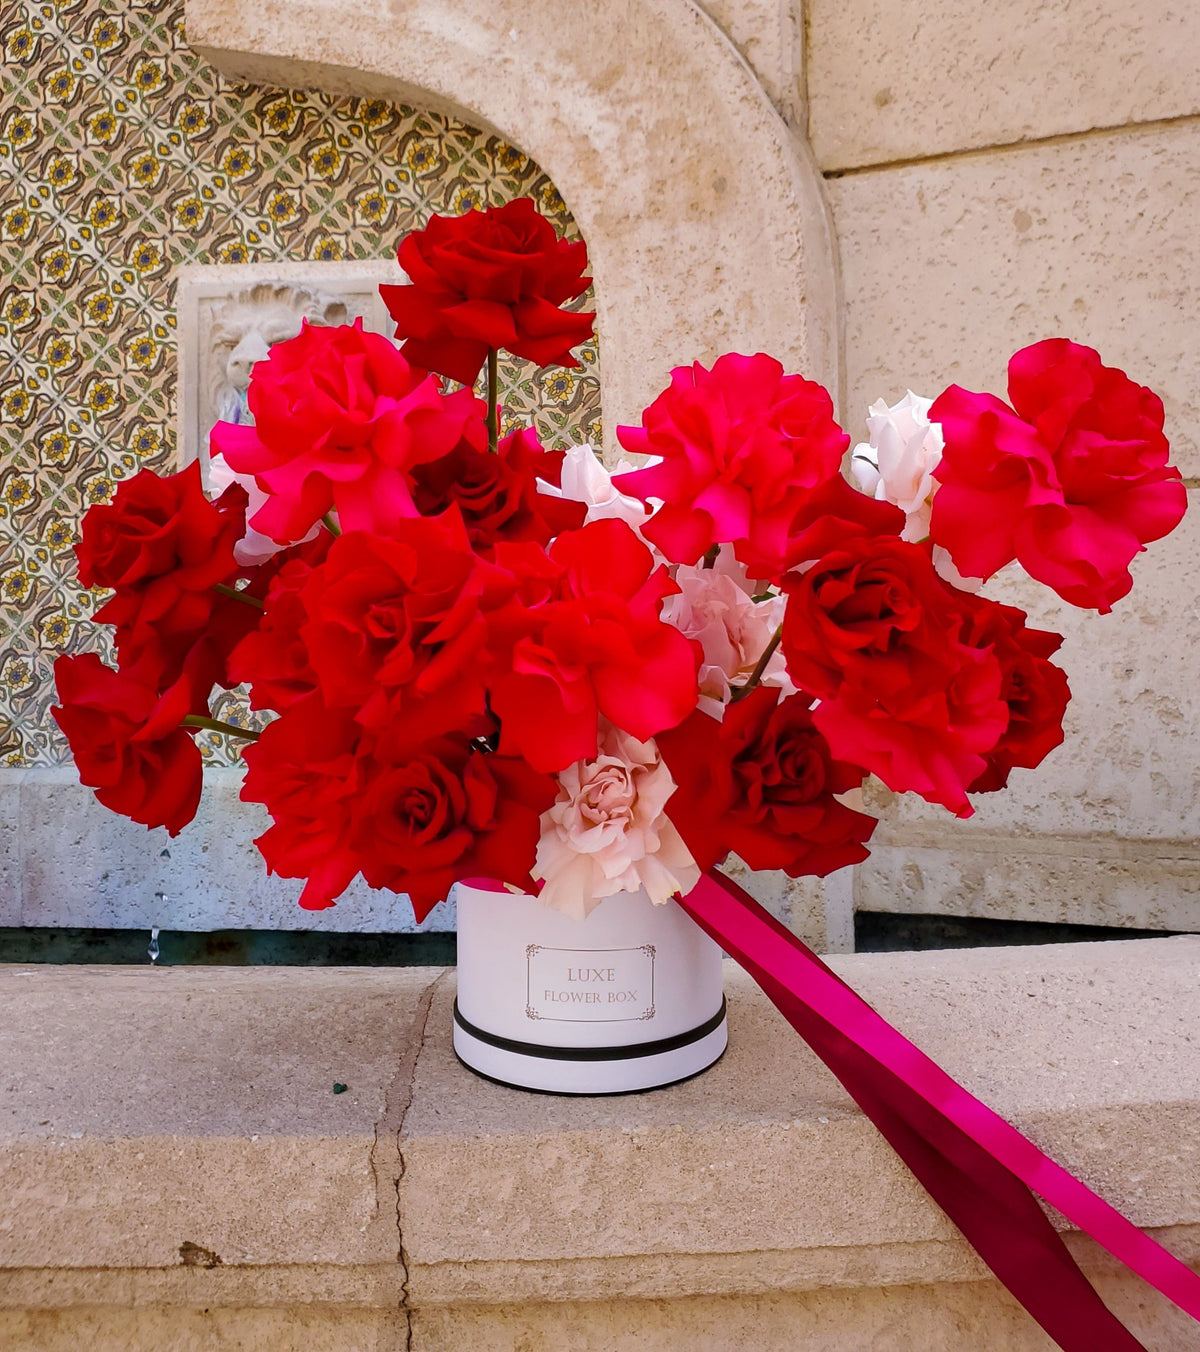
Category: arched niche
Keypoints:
(702, 209)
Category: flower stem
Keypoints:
(238, 596)
(710, 558)
(493, 392)
(330, 524)
(215, 725)
(756, 675)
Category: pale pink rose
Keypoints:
(252, 548)
(897, 464)
(715, 607)
(607, 831)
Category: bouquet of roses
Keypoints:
(486, 660)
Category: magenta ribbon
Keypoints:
(978, 1168)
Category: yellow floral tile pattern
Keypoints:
(122, 156)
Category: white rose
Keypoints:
(585, 479)
(897, 464)
(253, 547)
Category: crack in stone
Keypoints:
(397, 1102)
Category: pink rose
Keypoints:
(341, 421)
(1072, 480)
(715, 608)
(743, 448)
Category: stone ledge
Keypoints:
(170, 1142)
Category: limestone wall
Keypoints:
(885, 195)
(999, 174)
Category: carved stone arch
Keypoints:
(702, 210)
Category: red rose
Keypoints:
(906, 689)
(743, 448)
(586, 639)
(163, 547)
(489, 280)
(446, 812)
(273, 657)
(341, 422)
(411, 815)
(1072, 481)
(498, 493)
(762, 784)
(304, 767)
(831, 515)
(127, 741)
(1034, 689)
(406, 614)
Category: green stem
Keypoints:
(493, 394)
(756, 675)
(330, 524)
(215, 725)
(238, 596)
(710, 558)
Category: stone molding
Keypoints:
(703, 211)
(149, 1172)
(228, 311)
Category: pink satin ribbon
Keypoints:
(975, 1165)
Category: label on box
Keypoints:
(590, 985)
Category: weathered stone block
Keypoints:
(891, 81)
(949, 267)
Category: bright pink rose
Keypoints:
(1072, 481)
(762, 783)
(743, 447)
(584, 637)
(488, 280)
(341, 422)
(907, 689)
(127, 741)
(498, 493)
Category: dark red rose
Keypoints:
(341, 422)
(411, 815)
(127, 741)
(906, 691)
(761, 783)
(743, 448)
(447, 812)
(588, 641)
(1034, 689)
(498, 493)
(488, 280)
(1072, 481)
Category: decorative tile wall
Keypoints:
(121, 157)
